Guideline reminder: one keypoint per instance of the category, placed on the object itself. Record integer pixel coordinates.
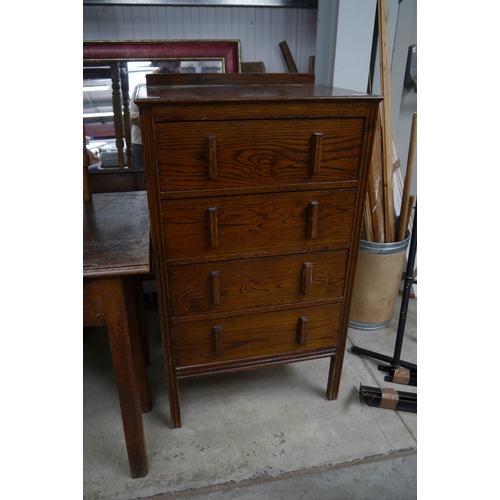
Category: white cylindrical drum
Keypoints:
(376, 284)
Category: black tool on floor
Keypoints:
(399, 371)
(388, 398)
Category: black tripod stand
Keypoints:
(399, 371)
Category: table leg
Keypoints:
(121, 340)
(141, 314)
(138, 336)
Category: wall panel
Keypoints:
(259, 29)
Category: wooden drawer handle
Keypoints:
(307, 276)
(212, 157)
(312, 229)
(214, 229)
(317, 141)
(218, 340)
(216, 287)
(302, 337)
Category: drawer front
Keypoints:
(218, 155)
(283, 332)
(264, 224)
(250, 283)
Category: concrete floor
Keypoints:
(263, 434)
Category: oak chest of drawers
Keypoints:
(256, 194)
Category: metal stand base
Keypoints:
(406, 376)
(399, 371)
(381, 357)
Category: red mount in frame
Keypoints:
(229, 50)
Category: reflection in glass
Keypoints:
(98, 113)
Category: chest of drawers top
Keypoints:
(288, 101)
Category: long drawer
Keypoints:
(223, 154)
(235, 338)
(257, 225)
(251, 283)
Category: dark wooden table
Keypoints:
(116, 251)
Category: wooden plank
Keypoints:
(411, 202)
(385, 85)
(290, 63)
(408, 178)
(376, 189)
(158, 79)
(253, 67)
(367, 221)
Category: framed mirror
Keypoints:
(112, 73)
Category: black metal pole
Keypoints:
(409, 280)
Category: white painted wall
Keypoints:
(344, 42)
(259, 29)
(354, 44)
(326, 41)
